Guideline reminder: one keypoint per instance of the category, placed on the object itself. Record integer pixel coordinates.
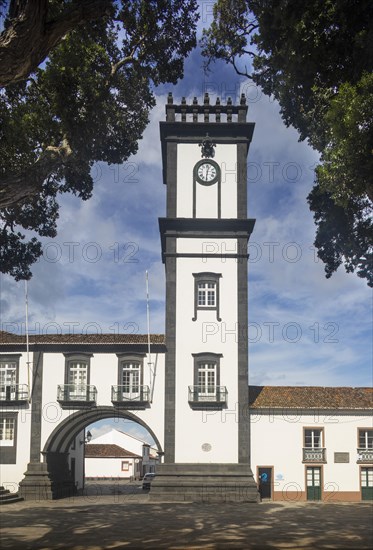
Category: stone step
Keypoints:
(6, 497)
(204, 483)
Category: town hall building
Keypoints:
(216, 439)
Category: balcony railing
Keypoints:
(14, 393)
(76, 394)
(207, 395)
(365, 455)
(131, 396)
(314, 454)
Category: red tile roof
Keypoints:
(107, 339)
(310, 397)
(108, 450)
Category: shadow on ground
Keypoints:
(115, 522)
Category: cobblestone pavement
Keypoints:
(126, 518)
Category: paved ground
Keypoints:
(119, 516)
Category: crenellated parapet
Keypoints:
(206, 111)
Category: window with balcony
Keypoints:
(11, 392)
(206, 293)
(77, 390)
(313, 445)
(8, 437)
(206, 390)
(131, 391)
(365, 442)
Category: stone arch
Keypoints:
(63, 435)
(52, 477)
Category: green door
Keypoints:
(366, 476)
(313, 483)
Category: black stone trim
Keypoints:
(242, 350)
(36, 406)
(170, 359)
(242, 151)
(170, 176)
(202, 255)
(206, 277)
(8, 454)
(204, 228)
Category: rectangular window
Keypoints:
(207, 378)
(125, 466)
(365, 439)
(131, 377)
(313, 439)
(7, 431)
(77, 380)
(206, 292)
(8, 378)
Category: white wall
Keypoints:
(187, 156)
(11, 474)
(109, 467)
(195, 428)
(277, 439)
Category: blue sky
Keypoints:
(304, 329)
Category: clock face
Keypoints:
(207, 172)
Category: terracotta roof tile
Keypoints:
(107, 450)
(108, 339)
(310, 397)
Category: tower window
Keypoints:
(206, 293)
(206, 389)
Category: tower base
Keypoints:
(204, 483)
(38, 484)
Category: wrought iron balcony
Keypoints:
(13, 394)
(207, 396)
(365, 455)
(76, 395)
(314, 454)
(131, 397)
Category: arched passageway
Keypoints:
(63, 435)
(52, 478)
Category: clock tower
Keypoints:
(204, 248)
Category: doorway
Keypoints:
(366, 482)
(313, 478)
(265, 481)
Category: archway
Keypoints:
(52, 478)
(63, 435)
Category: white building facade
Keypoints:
(191, 391)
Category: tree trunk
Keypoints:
(29, 36)
(22, 186)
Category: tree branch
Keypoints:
(29, 36)
(21, 186)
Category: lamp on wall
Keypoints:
(87, 439)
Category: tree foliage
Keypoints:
(316, 59)
(88, 102)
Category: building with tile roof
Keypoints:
(187, 388)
